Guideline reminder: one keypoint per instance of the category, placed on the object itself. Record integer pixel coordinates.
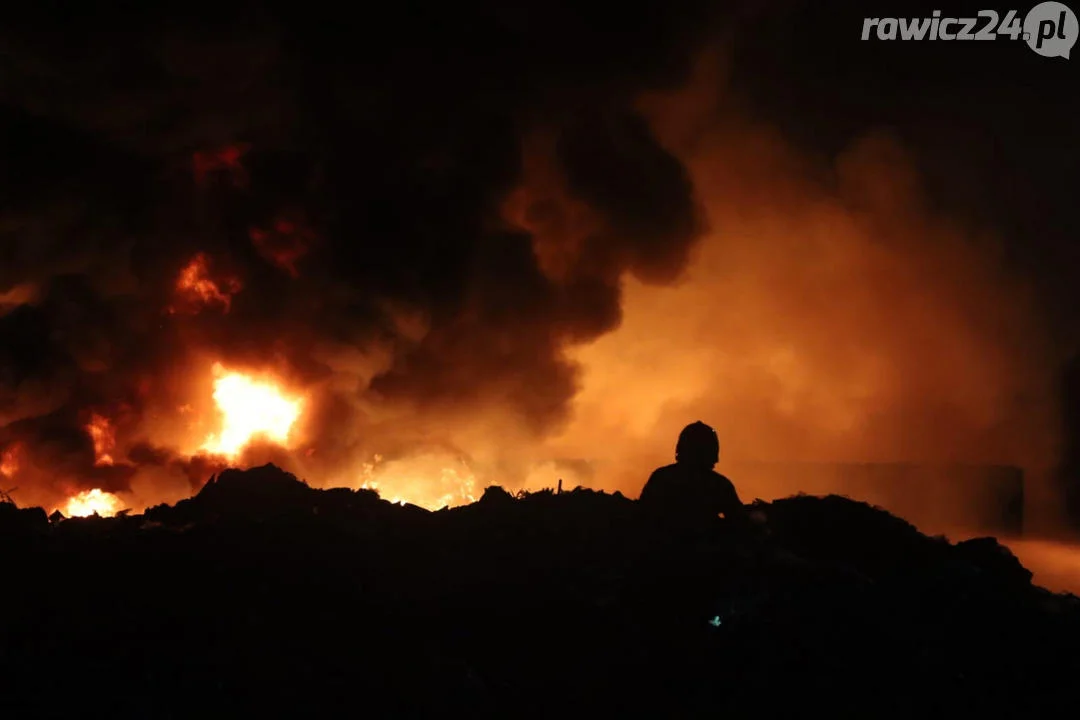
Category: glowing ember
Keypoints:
(198, 287)
(92, 502)
(249, 409)
(101, 432)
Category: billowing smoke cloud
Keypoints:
(830, 315)
(377, 215)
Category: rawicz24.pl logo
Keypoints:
(1049, 28)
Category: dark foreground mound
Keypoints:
(261, 597)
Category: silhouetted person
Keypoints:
(690, 493)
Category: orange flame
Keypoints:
(249, 409)
(104, 437)
(9, 461)
(198, 288)
(92, 502)
(430, 481)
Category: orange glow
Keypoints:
(18, 295)
(101, 432)
(429, 481)
(9, 461)
(249, 409)
(816, 321)
(92, 502)
(1056, 565)
(199, 289)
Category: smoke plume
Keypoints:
(326, 206)
(830, 314)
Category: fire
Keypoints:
(196, 285)
(9, 461)
(104, 437)
(249, 408)
(92, 502)
(430, 481)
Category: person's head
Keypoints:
(698, 446)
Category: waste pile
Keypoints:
(261, 596)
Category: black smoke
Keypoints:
(134, 140)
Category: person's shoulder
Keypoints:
(665, 471)
(662, 477)
(722, 478)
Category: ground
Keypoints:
(263, 597)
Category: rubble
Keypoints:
(263, 596)
(14, 519)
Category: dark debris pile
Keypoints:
(263, 597)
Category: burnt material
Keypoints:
(264, 597)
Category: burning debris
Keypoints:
(317, 600)
(93, 502)
(249, 409)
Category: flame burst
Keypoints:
(101, 432)
(92, 502)
(249, 409)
